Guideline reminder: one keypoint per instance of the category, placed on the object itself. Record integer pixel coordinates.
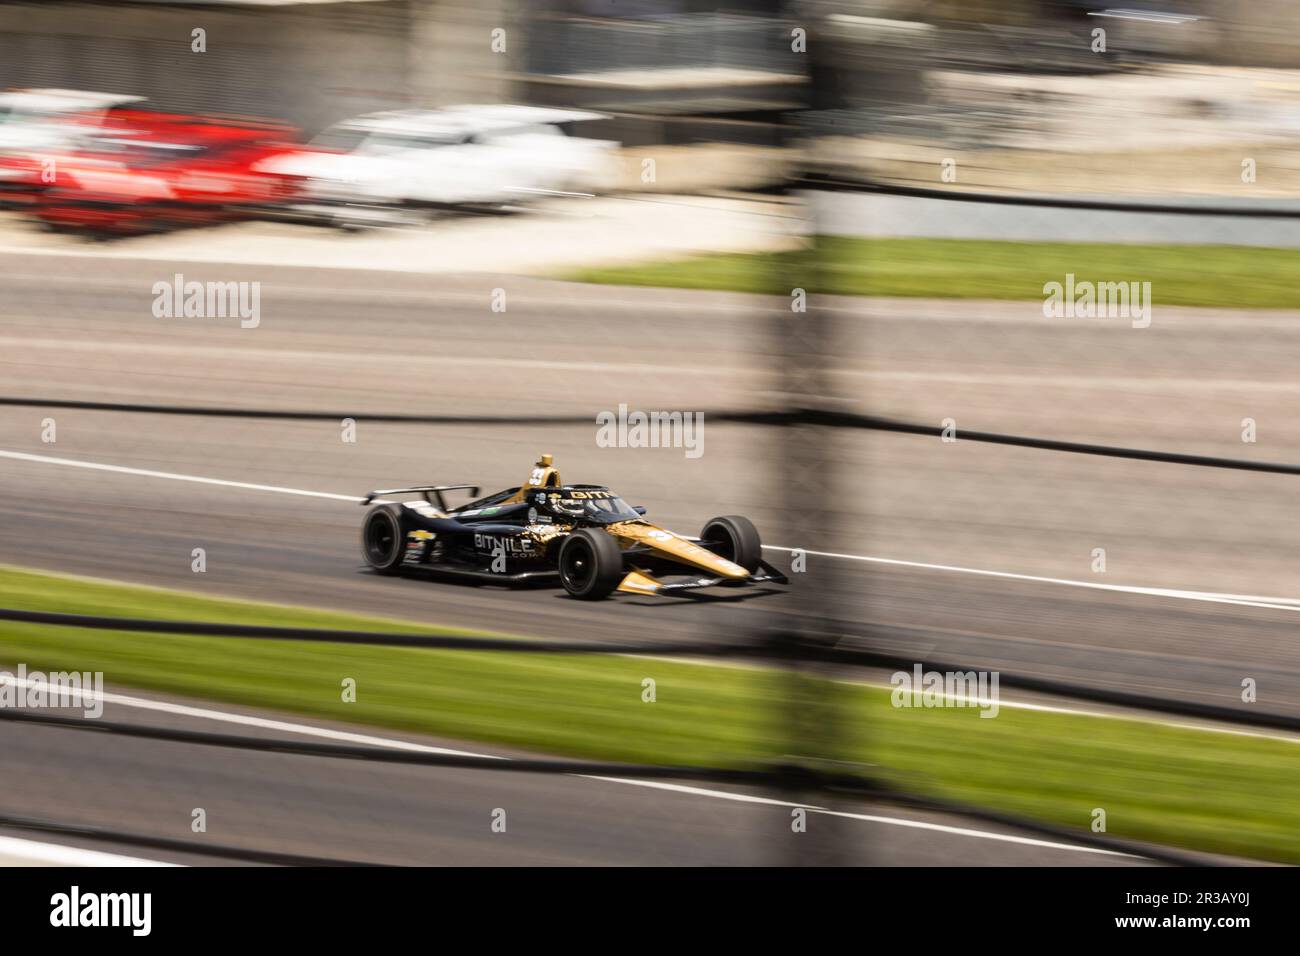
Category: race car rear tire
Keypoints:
(383, 538)
(735, 538)
(590, 564)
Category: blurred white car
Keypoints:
(38, 121)
(460, 156)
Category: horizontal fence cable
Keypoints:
(1052, 444)
(771, 650)
(829, 419)
(417, 758)
(843, 419)
(453, 642)
(781, 776)
(219, 411)
(832, 183)
(144, 841)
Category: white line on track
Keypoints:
(1244, 600)
(1212, 597)
(171, 476)
(370, 740)
(15, 852)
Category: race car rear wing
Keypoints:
(432, 493)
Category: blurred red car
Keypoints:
(141, 171)
(37, 124)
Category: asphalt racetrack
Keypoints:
(81, 328)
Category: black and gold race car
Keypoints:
(585, 535)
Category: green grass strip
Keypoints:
(1220, 792)
(1212, 276)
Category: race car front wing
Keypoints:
(641, 582)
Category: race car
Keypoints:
(37, 125)
(584, 535)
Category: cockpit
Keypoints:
(594, 504)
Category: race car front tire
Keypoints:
(383, 538)
(735, 538)
(590, 564)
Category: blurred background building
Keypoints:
(318, 61)
(894, 76)
(315, 62)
